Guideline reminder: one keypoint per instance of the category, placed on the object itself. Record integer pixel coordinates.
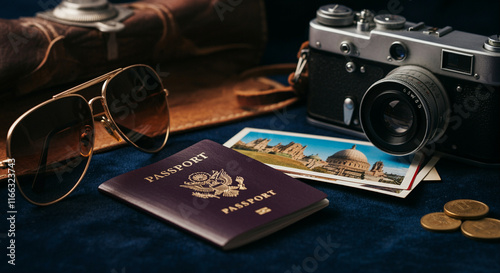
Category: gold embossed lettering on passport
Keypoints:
(263, 210)
(249, 202)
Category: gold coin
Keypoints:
(486, 228)
(466, 209)
(439, 221)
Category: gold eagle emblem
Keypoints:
(205, 185)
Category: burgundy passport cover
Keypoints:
(218, 194)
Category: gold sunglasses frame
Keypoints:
(106, 78)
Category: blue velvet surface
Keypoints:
(359, 231)
(362, 231)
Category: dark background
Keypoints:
(367, 232)
(288, 20)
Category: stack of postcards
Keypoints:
(346, 162)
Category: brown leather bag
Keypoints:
(39, 53)
(199, 49)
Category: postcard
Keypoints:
(427, 173)
(433, 175)
(349, 162)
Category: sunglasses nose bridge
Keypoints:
(105, 120)
(98, 98)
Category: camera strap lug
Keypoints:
(301, 64)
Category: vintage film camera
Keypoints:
(405, 86)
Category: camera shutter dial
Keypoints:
(335, 15)
(390, 21)
(493, 43)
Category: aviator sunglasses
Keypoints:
(53, 142)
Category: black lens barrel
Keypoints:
(420, 119)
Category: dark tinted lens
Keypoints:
(52, 146)
(398, 117)
(137, 103)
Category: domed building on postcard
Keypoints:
(349, 163)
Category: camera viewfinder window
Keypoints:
(457, 62)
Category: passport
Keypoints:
(218, 194)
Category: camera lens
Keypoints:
(392, 118)
(404, 111)
(397, 116)
(398, 51)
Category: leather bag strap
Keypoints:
(256, 89)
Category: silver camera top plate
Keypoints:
(443, 51)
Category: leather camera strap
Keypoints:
(256, 89)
